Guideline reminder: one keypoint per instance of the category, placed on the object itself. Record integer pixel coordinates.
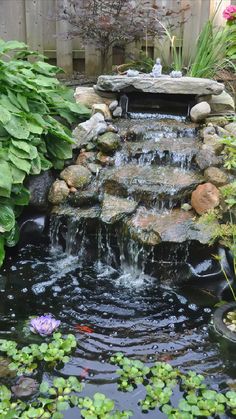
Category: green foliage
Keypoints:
(25, 360)
(51, 401)
(159, 382)
(143, 63)
(31, 139)
(100, 407)
(229, 152)
(212, 53)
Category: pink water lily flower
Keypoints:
(230, 13)
(44, 325)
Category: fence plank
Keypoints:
(12, 20)
(64, 46)
(34, 26)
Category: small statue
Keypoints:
(157, 69)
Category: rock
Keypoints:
(113, 105)
(39, 187)
(216, 176)
(117, 113)
(88, 197)
(108, 142)
(58, 192)
(221, 132)
(150, 184)
(88, 97)
(85, 157)
(209, 130)
(186, 207)
(89, 130)
(207, 157)
(114, 208)
(222, 104)
(111, 128)
(25, 387)
(103, 109)
(76, 176)
(200, 111)
(94, 168)
(214, 142)
(217, 120)
(177, 226)
(105, 160)
(205, 197)
(231, 128)
(163, 84)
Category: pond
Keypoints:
(111, 309)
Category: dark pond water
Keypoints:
(126, 311)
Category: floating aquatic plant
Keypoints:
(44, 325)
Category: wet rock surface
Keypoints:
(148, 184)
(114, 208)
(76, 175)
(176, 226)
(206, 197)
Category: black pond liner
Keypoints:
(219, 325)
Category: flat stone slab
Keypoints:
(182, 146)
(150, 184)
(176, 226)
(114, 208)
(163, 84)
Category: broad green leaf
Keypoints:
(22, 100)
(17, 127)
(45, 81)
(20, 195)
(59, 149)
(45, 164)
(5, 177)
(18, 152)
(23, 149)
(21, 164)
(79, 109)
(17, 175)
(45, 68)
(34, 127)
(35, 166)
(12, 97)
(11, 45)
(5, 115)
(7, 218)
(6, 103)
(12, 237)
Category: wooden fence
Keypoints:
(32, 21)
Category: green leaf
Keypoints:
(36, 166)
(59, 149)
(20, 195)
(17, 127)
(34, 127)
(5, 178)
(22, 100)
(7, 218)
(21, 164)
(11, 45)
(5, 115)
(62, 406)
(2, 257)
(12, 237)
(6, 103)
(17, 174)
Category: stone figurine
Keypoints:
(157, 69)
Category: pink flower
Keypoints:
(230, 13)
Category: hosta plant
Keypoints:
(31, 137)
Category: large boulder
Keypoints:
(205, 197)
(89, 130)
(222, 103)
(213, 141)
(88, 97)
(58, 192)
(108, 142)
(163, 84)
(39, 188)
(76, 176)
(200, 112)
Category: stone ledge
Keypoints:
(164, 84)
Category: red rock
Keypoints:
(205, 197)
